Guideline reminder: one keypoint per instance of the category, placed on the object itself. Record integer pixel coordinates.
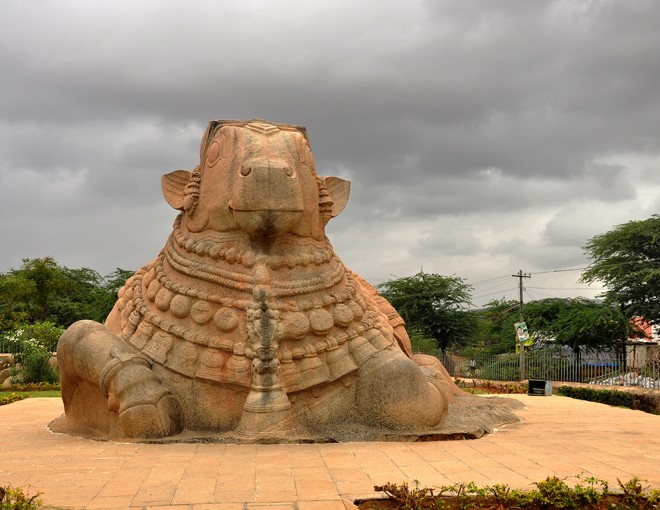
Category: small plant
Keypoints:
(15, 499)
(635, 495)
(553, 493)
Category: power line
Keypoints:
(497, 278)
(566, 288)
(602, 265)
(561, 270)
(493, 293)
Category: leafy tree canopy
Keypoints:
(42, 290)
(496, 334)
(434, 306)
(627, 260)
(577, 323)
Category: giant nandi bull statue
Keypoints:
(247, 324)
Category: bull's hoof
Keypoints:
(146, 407)
(151, 416)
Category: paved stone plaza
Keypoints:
(559, 436)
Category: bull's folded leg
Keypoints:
(97, 365)
(145, 406)
(394, 392)
(437, 374)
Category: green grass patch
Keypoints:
(6, 396)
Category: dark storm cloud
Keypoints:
(437, 111)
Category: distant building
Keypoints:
(651, 332)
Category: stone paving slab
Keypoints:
(559, 436)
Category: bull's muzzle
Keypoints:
(266, 197)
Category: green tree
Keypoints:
(434, 306)
(107, 295)
(45, 280)
(627, 260)
(542, 315)
(78, 296)
(15, 293)
(578, 323)
(42, 290)
(496, 334)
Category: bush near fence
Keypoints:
(647, 402)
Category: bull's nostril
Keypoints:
(288, 171)
(245, 171)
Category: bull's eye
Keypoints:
(213, 153)
(245, 171)
(288, 171)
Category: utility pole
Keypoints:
(520, 277)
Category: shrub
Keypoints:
(641, 402)
(39, 386)
(610, 397)
(33, 365)
(12, 397)
(46, 334)
(32, 346)
(16, 499)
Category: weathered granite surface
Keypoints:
(248, 327)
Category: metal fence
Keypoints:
(606, 368)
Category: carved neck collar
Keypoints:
(235, 250)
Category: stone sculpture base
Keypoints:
(468, 417)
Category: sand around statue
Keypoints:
(247, 327)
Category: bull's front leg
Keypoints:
(393, 391)
(106, 383)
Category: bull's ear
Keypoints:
(173, 185)
(338, 189)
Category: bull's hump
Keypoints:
(262, 127)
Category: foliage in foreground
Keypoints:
(642, 402)
(549, 494)
(15, 499)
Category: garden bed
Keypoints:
(552, 493)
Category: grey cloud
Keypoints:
(438, 111)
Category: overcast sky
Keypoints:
(481, 137)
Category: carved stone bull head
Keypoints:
(258, 178)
